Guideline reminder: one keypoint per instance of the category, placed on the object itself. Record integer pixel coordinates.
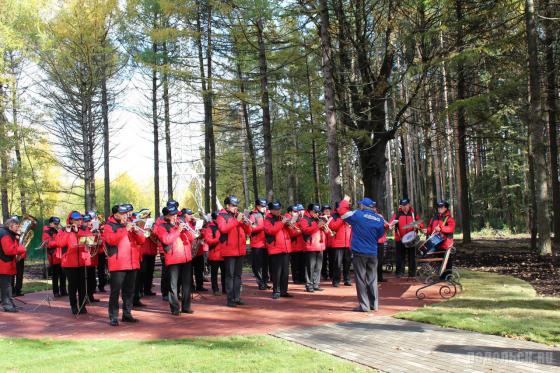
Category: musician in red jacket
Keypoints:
(234, 228)
(149, 251)
(198, 261)
(297, 255)
(211, 235)
(85, 230)
(340, 247)
(48, 238)
(278, 245)
(124, 260)
(442, 224)
(259, 255)
(73, 260)
(313, 230)
(176, 242)
(404, 216)
(328, 254)
(10, 249)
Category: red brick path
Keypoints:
(211, 317)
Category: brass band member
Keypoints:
(297, 255)
(234, 229)
(340, 248)
(124, 260)
(313, 230)
(9, 250)
(259, 255)
(49, 238)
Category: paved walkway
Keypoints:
(393, 345)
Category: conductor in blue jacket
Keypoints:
(367, 228)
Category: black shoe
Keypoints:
(310, 290)
(231, 304)
(275, 295)
(83, 311)
(149, 293)
(176, 313)
(318, 289)
(114, 322)
(286, 295)
(12, 310)
(399, 275)
(129, 319)
(102, 290)
(268, 287)
(201, 289)
(187, 311)
(359, 309)
(382, 280)
(64, 294)
(263, 287)
(335, 285)
(56, 295)
(74, 311)
(216, 293)
(18, 294)
(138, 304)
(239, 302)
(347, 283)
(165, 298)
(373, 308)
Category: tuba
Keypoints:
(26, 232)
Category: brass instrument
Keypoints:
(143, 223)
(327, 219)
(292, 222)
(26, 232)
(244, 217)
(196, 245)
(91, 243)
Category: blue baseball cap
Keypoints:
(122, 209)
(299, 207)
(368, 202)
(260, 202)
(172, 203)
(186, 211)
(87, 218)
(404, 202)
(274, 205)
(170, 211)
(54, 219)
(314, 207)
(75, 215)
(231, 200)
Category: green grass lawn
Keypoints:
(496, 304)
(216, 354)
(32, 286)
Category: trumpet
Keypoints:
(291, 222)
(186, 226)
(327, 219)
(243, 217)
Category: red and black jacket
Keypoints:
(314, 237)
(342, 230)
(71, 253)
(211, 236)
(258, 240)
(447, 224)
(49, 236)
(121, 254)
(176, 243)
(9, 248)
(233, 234)
(404, 219)
(278, 238)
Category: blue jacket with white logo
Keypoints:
(367, 228)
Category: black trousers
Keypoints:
(76, 285)
(234, 269)
(260, 265)
(164, 285)
(326, 264)
(337, 262)
(102, 269)
(346, 263)
(314, 260)
(380, 260)
(279, 272)
(297, 261)
(147, 268)
(91, 281)
(198, 268)
(139, 284)
(403, 252)
(122, 283)
(216, 265)
(180, 273)
(58, 280)
(17, 280)
(6, 292)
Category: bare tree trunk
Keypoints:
(552, 102)
(210, 103)
(4, 151)
(15, 123)
(155, 132)
(330, 114)
(449, 132)
(167, 121)
(265, 104)
(537, 130)
(314, 161)
(244, 161)
(463, 181)
(106, 174)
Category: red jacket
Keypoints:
(278, 238)
(149, 247)
(9, 248)
(72, 255)
(257, 231)
(233, 234)
(343, 232)
(447, 224)
(84, 231)
(121, 254)
(315, 238)
(49, 236)
(384, 238)
(404, 219)
(211, 236)
(176, 244)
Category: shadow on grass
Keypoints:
(534, 304)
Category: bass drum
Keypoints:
(411, 239)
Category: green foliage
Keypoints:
(124, 189)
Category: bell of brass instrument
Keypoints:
(327, 219)
(143, 223)
(26, 232)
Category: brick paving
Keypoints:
(393, 345)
